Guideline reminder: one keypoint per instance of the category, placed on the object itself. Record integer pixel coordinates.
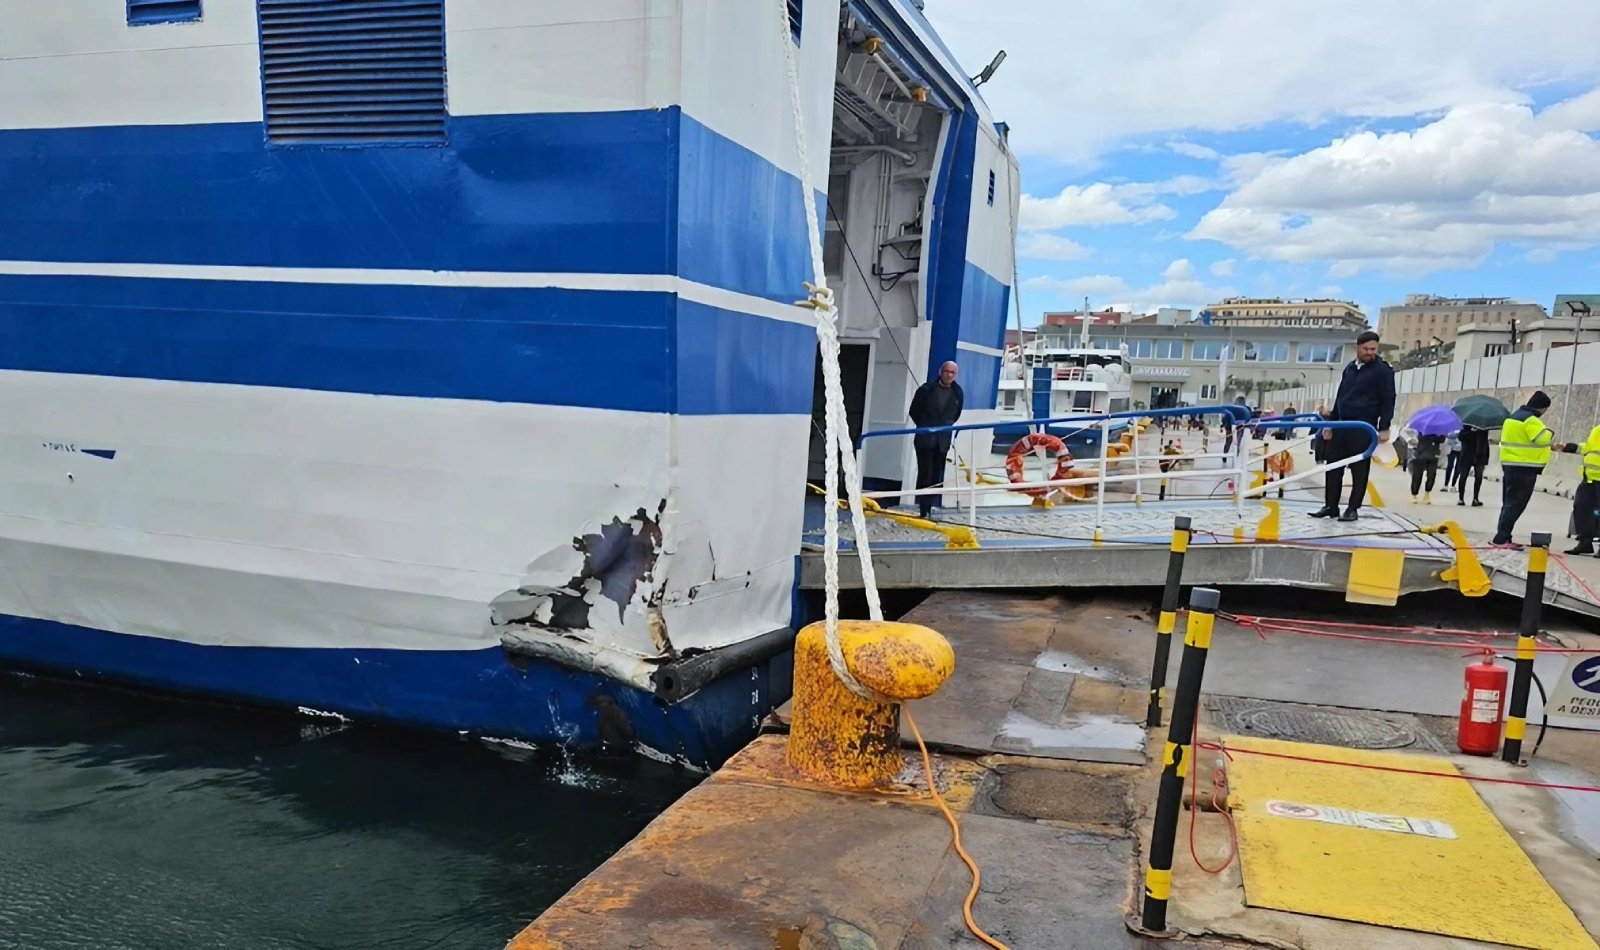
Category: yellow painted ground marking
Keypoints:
(1478, 885)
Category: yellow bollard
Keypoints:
(836, 736)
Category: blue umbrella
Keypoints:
(1438, 420)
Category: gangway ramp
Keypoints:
(1025, 547)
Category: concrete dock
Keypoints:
(1039, 746)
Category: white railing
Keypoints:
(1238, 459)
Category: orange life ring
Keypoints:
(1280, 463)
(1025, 445)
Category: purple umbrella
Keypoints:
(1435, 420)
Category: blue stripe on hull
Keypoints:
(477, 691)
(636, 351)
(636, 192)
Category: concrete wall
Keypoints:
(1569, 375)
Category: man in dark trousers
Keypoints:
(1525, 446)
(1474, 460)
(1366, 394)
(936, 403)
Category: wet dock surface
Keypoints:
(1038, 744)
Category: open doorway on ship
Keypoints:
(855, 359)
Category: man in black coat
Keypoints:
(1474, 460)
(936, 403)
(1366, 394)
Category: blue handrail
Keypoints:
(1367, 427)
(1240, 415)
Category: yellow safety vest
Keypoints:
(1591, 456)
(1525, 443)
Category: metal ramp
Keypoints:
(1023, 547)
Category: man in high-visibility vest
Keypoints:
(1525, 444)
(1586, 500)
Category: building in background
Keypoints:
(1075, 318)
(1190, 363)
(1477, 340)
(1425, 320)
(1568, 305)
(1278, 312)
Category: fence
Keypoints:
(1570, 375)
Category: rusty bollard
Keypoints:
(838, 737)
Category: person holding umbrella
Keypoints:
(1429, 428)
(1478, 415)
(1474, 461)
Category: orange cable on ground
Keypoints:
(1227, 815)
(955, 836)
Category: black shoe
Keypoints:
(1476, 503)
(1325, 512)
(1462, 503)
(1351, 514)
(1584, 547)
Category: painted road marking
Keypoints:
(1578, 693)
(1362, 819)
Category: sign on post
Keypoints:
(1577, 696)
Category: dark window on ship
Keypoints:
(353, 72)
(145, 12)
(991, 189)
(796, 14)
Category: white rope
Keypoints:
(836, 438)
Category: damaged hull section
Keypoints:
(473, 692)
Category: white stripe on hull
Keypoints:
(394, 277)
(276, 517)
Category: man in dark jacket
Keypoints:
(1366, 394)
(1474, 460)
(936, 403)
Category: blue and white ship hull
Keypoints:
(477, 433)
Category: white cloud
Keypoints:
(1195, 150)
(1410, 203)
(1223, 268)
(1177, 288)
(1040, 246)
(1361, 58)
(1091, 205)
(1104, 203)
(1096, 285)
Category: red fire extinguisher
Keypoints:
(1478, 732)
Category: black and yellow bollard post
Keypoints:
(1152, 921)
(1167, 620)
(1522, 674)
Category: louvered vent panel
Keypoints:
(142, 12)
(353, 72)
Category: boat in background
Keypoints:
(1044, 380)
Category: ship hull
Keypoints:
(484, 692)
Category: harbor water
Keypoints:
(131, 821)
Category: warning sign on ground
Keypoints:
(1361, 819)
(1578, 694)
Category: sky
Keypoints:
(1175, 152)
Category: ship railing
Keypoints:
(1238, 458)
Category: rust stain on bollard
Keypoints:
(840, 738)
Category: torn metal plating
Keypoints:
(571, 620)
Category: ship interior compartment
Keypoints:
(887, 131)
